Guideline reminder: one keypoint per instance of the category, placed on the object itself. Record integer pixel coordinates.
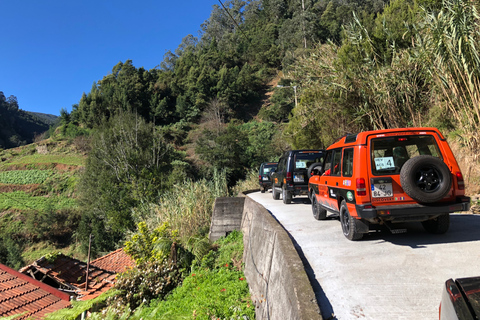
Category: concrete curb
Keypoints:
(275, 273)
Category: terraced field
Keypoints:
(38, 205)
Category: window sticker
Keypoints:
(384, 163)
(300, 164)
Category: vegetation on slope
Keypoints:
(38, 200)
(166, 141)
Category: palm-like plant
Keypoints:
(453, 36)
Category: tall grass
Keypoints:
(187, 207)
(454, 39)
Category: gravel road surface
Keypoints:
(383, 276)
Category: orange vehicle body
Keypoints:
(358, 172)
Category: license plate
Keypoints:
(382, 190)
(265, 178)
(298, 178)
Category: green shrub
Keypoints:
(149, 280)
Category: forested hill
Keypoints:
(18, 127)
(226, 70)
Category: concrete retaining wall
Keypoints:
(275, 273)
(227, 216)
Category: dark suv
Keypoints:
(292, 174)
(264, 175)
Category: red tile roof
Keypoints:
(117, 261)
(69, 274)
(20, 293)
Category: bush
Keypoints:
(149, 280)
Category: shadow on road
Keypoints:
(463, 228)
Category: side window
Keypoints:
(337, 156)
(347, 162)
(328, 163)
(281, 164)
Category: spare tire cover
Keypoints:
(425, 179)
(314, 169)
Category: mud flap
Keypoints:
(362, 226)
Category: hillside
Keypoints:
(49, 119)
(38, 202)
(18, 127)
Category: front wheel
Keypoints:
(439, 225)
(318, 212)
(349, 224)
(286, 196)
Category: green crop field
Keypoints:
(23, 201)
(25, 176)
(67, 159)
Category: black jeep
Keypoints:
(292, 174)
(264, 175)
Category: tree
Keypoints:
(129, 164)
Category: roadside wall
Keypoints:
(227, 216)
(275, 273)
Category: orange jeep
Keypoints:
(389, 176)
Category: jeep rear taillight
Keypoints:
(460, 182)
(361, 187)
(260, 177)
(289, 177)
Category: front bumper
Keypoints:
(412, 210)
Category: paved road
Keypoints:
(383, 276)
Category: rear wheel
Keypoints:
(262, 189)
(318, 212)
(349, 224)
(286, 196)
(438, 225)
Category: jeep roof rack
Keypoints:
(348, 137)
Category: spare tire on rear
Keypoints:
(425, 179)
(314, 169)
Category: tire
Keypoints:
(349, 224)
(318, 212)
(286, 196)
(439, 225)
(426, 179)
(275, 194)
(314, 169)
(262, 189)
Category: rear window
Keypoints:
(304, 159)
(268, 167)
(389, 154)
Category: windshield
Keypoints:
(389, 154)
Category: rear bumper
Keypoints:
(412, 210)
(298, 190)
(265, 184)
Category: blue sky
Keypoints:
(52, 51)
